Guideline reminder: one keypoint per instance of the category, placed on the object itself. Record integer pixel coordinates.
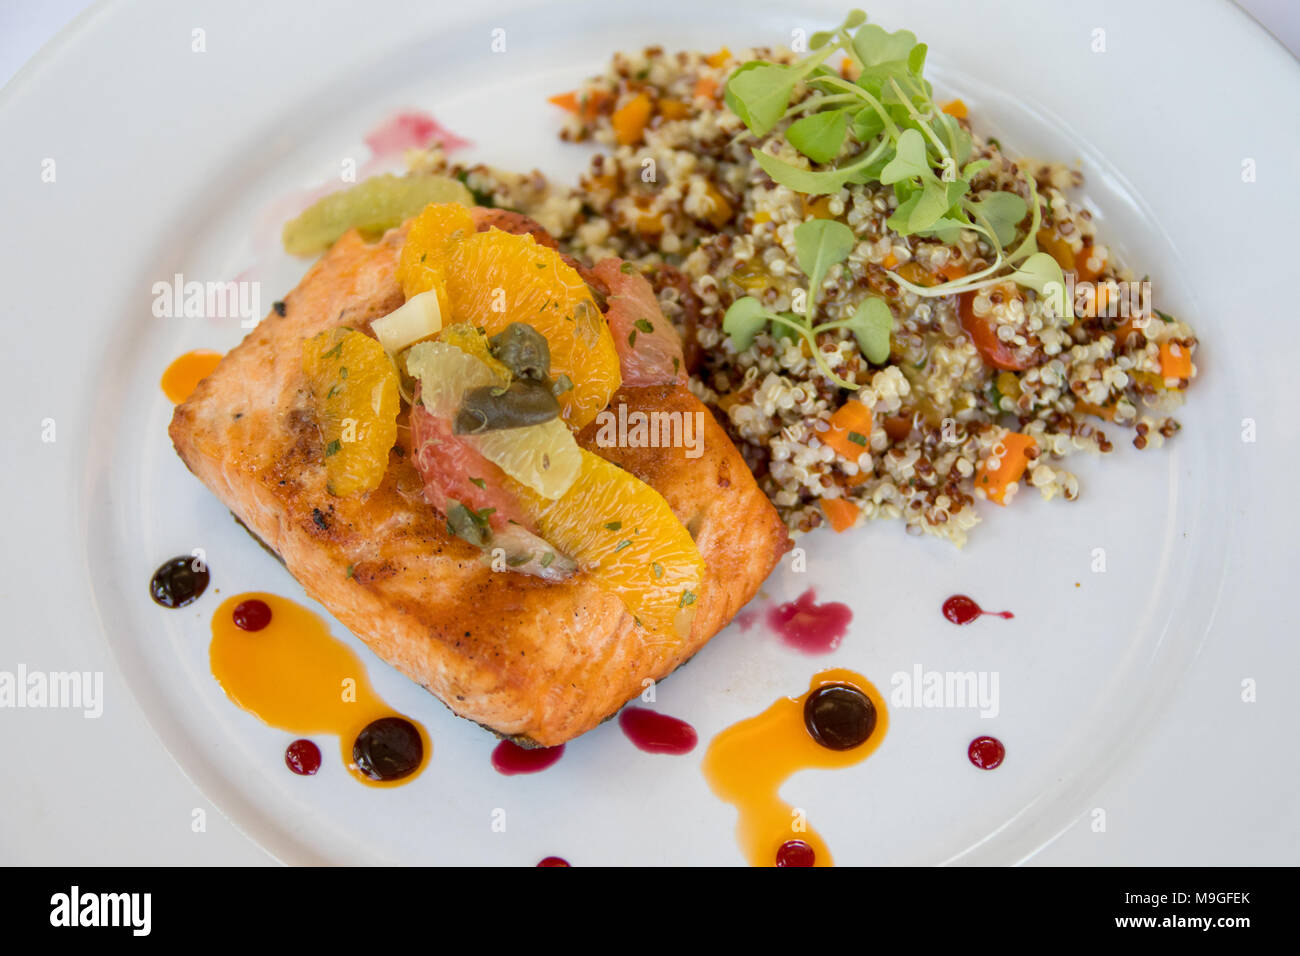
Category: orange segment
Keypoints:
(622, 531)
(354, 386)
(495, 278)
(422, 265)
(492, 278)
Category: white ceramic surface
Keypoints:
(1120, 691)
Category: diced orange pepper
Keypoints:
(673, 109)
(707, 87)
(1057, 248)
(1175, 360)
(955, 108)
(629, 120)
(604, 183)
(850, 431)
(762, 217)
(819, 208)
(1014, 461)
(718, 59)
(841, 513)
(890, 261)
(719, 213)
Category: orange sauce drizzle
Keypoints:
(747, 763)
(185, 373)
(296, 676)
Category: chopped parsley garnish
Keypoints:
(614, 526)
(644, 325)
(857, 438)
(658, 569)
(625, 543)
(480, 482)
(688, 598)
(333, 448)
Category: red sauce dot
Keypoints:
(510, 759)
(987, 753)
(302, 757)
(252, 615)
(962, 610)
(554, 861)
(795, 853)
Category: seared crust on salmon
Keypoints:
(540, 661)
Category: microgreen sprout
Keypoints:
(883, 127)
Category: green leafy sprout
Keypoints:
(890, 131)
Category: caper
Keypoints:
(488, 408)
(523, 350)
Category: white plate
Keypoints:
(1120, 691)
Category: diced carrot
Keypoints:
(953, 269)
(890, 261)
(841, 513)
(850, 430)
(955, 108)
(1124, 331)
(849, 70)
(707, 87)
(1175, 360)
(673, 109)
(1101, 411)
(629, 119)
(916, 274)
(565, 101)
(718, 59)
(1012, 464)
(586, 105)
(1084, 273)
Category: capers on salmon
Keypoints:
(523, 350)
(488, 408)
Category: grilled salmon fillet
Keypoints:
(538, 661)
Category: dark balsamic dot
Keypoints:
(389, 748)
(176, 583)
(839, 717)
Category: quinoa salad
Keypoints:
(955, 356)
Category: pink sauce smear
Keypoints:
(808, 626)
(410, 129)
(657, 733)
